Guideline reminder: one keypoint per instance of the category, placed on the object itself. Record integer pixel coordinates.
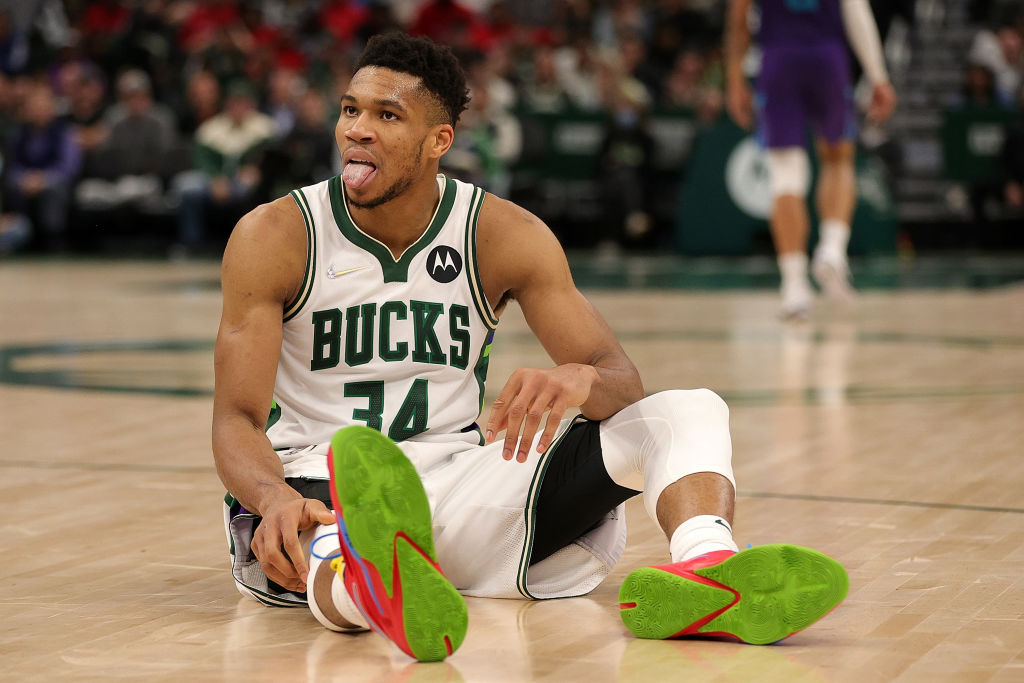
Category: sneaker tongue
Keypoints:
(356, 174)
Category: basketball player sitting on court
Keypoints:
(368, 303)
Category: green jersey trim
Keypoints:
(293, 308)
(275, 415)
(476, 286)
(392, 269)
(480, 369)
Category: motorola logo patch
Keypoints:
(444, 264)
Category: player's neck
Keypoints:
(400, 222)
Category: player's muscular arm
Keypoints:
(862, 33)
(263, 264)
(521, 259)
(255, 287)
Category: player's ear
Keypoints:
(443, 137)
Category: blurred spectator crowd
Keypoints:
(166, 120)
(992, 93)
(176, 116)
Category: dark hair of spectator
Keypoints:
(435, 65)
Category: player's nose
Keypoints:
(360, 130)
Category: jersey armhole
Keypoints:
(483, 307)
(296, 304)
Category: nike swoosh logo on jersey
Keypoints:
(333, 274)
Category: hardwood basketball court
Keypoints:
(889, 436)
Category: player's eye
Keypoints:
(349, 110)
(388, 116)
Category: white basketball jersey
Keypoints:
(400, 345)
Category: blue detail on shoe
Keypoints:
(357, 599)
(314, 553)
(359, 561)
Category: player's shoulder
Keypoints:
(516, 248)
(275, 220)
(269, 240)
(275, 228)
(505, 225)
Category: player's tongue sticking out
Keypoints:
(357, 173)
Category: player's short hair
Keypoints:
(435, 65)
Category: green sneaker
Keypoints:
(390, 569)
(760, 595)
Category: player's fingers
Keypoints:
(275, 565)
(497, 419)
(284, 575)
(890, 106)
(534, 413)
(526, 384)
(294, 551)
(326, 517)
(516, 415)
(256, 545)
(315, 512)
(278, 572)
(558, 409)
(281, 531)
(883, 102)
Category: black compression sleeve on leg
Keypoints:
(576, 492)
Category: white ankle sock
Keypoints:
(793, 268)
(699, 535)
(833, 237)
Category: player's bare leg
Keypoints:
(836, 198)
(703, 493)
(759, 595)
(790, 225)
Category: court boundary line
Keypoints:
(879, 501)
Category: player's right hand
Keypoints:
(276, 541)
(740, 104)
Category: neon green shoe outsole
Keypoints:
(759, 596)
(391, 570)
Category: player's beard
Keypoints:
(397, 188)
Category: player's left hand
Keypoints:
(527, 395)
(883, 101)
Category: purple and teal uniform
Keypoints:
(805, 73)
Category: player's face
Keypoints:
(384, 135)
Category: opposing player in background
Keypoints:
(805, 81)
(368, 302)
